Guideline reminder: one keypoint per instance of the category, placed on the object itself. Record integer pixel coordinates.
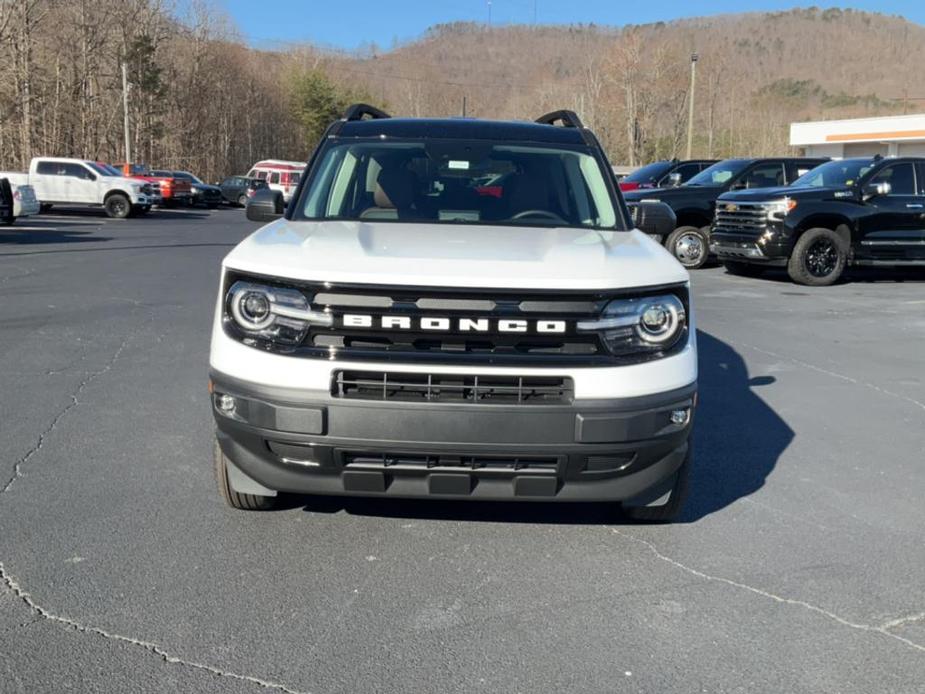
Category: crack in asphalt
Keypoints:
(882, 629)
(13, 586)
(93, 375)
(843, 377)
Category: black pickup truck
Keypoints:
(694, 202)
(867, 211)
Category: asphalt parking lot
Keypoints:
(799, 565)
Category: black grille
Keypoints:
(408, 387)
(744, 218)
(453, 345)
(487, 463)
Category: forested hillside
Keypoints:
(201, 99)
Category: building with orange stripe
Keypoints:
(859, 137)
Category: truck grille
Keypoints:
(453, 326)
(415, 387)
(741, 217)
(146, 189)
(444, 462)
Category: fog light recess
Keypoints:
(680, 417)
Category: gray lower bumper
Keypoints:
(314, 443)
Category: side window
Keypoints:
(76, 171)
(252, 173)
(765, 176)
(47, 168)
(687, 172)
(274, 177)
(901, 178)
(262, 175)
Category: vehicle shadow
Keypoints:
(100, 214)
(738, 439)
(853, 275)
(32, 231)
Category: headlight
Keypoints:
(194, 189)
(272, 313)
(640, 325)
(780, 208)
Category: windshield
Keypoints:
(102, 169)
(719, 174)
(837, 174)
(649, 173)
(460, 182)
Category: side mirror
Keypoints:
(265, 206)
(674, 179)
(653, 218)
(873, 190)
(739, 185)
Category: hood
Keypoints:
(455, 255)
(803, 193)
(666, 194)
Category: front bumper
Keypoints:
(765, 250)
(310, 442)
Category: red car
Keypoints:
(172, 191)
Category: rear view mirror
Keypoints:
(265, 206)
(873, 190)
(653, 218)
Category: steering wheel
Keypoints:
(539, 213)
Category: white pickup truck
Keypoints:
(62, 181)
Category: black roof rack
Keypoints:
(358, 111)
(569, 119)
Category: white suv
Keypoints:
(454, 309)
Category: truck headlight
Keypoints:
(781, 208)
(648, 324)
(271, 313)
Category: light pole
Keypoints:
(125, 126)
(690, 112)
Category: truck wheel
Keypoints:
(117, 206)
(671, 509)
(819, 258)
(243, 502)
(242, 201)
(734, 267)
(690, 245)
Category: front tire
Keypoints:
(819, 258)
(117, 206)
(734, 267)
(690, 245)
(671, 509)
(242, 502)
(242, 201)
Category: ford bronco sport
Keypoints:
(454, 309)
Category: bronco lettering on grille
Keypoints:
(445, 324)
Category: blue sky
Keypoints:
(351, 23)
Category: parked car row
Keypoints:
(814, 217)
(126, 189)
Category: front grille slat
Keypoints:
(449, 462)
(430, 387)
(748, 218)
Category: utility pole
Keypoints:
(690, 112)
(128, 139)
(489, 12)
